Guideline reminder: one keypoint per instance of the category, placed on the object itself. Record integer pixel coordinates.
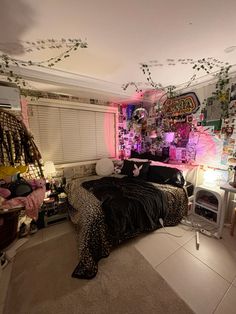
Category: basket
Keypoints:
(17, 147)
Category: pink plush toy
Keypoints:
(37, 183)
(5, 192)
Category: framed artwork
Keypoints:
(216, 124)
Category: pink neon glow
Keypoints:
(169, 137)
(109, 131)
(208, 148)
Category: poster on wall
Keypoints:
(228, 150)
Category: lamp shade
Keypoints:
(210, 177)
(49, 168)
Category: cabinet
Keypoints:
(208, 203)
(8, 227)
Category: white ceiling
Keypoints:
(121, 34)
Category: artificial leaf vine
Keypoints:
(68, 46)
(210, 65)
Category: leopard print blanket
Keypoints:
(92, 233)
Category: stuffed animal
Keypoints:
(5, 193)
(136, 170)
(6, 171)
(2, 199)
(37, 183)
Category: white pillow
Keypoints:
(104, 167)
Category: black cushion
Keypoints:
(129, 167)
(19, 188)
(189, 188)
(166, 175)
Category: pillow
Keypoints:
(166, 175)
(135, 169)
(118, 164)
(19, 188)
(5, 193)
(104, 167)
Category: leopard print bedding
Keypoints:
(91, 231)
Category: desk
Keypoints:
(228, 189)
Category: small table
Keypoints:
(55, 211)
(228, 189)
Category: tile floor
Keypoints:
(204, 278)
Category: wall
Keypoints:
(206, 145)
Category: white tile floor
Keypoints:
(204, 278)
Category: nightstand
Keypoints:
(54, 211)
(208, 203)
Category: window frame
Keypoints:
(65, 104)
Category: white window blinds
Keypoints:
(67, 135)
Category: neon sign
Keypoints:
(182, 105)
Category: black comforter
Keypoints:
(130, 206)
(110, 210)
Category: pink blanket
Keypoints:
(31, 203)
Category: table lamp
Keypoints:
(210, 177)
(49, 169)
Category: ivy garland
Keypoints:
(222, 91)
(208, 65)
(6, 61)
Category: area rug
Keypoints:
(126, 283)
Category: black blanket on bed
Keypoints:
(130, 205)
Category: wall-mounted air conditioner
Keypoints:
(10, 98)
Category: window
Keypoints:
(73, 133)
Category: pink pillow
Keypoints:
(5, 192)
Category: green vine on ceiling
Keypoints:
(135, 84)
(7, 63)
(222, 91)
(210, 65)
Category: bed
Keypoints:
(109, 210)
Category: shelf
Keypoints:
(11, 210)
(207, 205)
(208, 214)
(48, 220)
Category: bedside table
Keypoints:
(209, 204)
(54, 211)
